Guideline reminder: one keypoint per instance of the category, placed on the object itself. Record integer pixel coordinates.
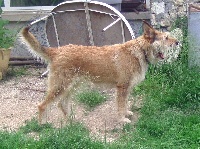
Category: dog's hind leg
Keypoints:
(122, 99)
(52, 94)
(56, 89)
(63, 103)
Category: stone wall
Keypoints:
(165, 12)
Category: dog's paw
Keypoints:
(125, 120)
(129, 113)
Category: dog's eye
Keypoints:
(166, 37)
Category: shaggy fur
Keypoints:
(121, 65)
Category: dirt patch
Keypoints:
(19, 97)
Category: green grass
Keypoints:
(73, 136)
(91, 98)
(170, 115)
(33, 126)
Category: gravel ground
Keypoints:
(19, 97)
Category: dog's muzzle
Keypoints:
(161, 55)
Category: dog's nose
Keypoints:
(177, 43)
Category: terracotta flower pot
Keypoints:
(4, 61)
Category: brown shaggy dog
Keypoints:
(121, 65)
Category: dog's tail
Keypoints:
(35, 47)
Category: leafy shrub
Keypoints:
(6, 36)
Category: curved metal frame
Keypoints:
(106, 5)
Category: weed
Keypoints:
(33, 126)
(17, 71)
(127, 128)
(74, 136)
(91, 98)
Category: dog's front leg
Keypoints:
(122, 99)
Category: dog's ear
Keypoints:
(149, 32)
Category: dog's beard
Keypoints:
(173, 51)
(155, 53)
(164, 53)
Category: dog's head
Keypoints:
(158, 43)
